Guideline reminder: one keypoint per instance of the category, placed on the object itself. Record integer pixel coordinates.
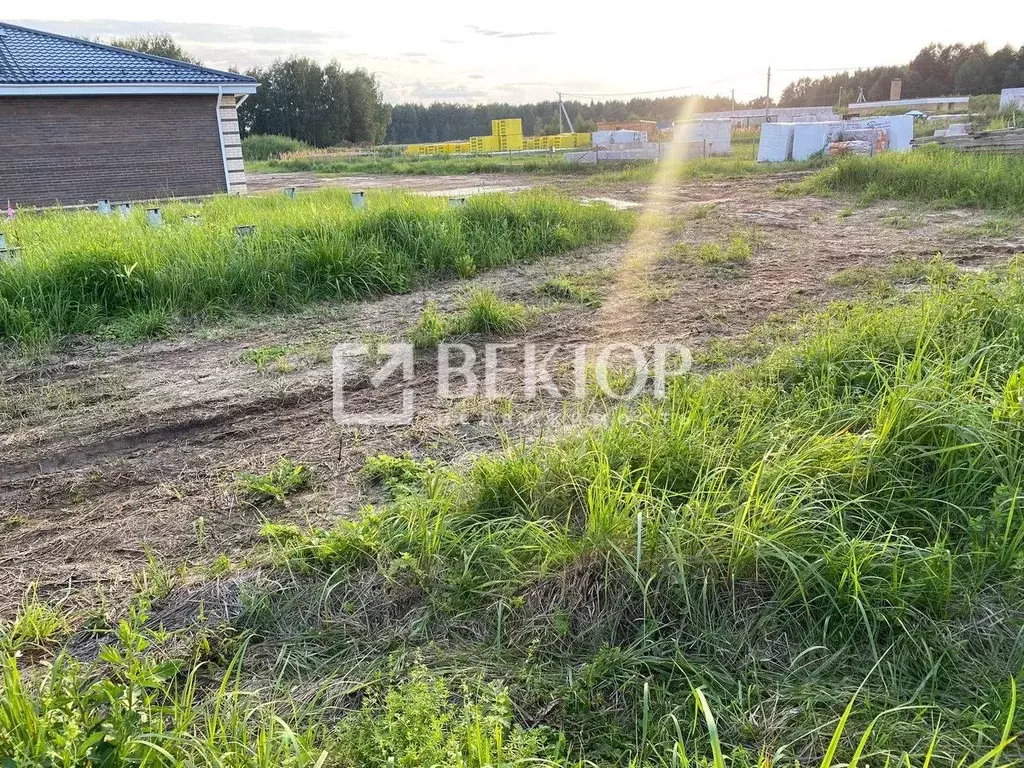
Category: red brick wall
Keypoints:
(80, 149)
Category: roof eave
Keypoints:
(124, 89)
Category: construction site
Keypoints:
(663, 437)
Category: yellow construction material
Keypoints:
(511, 126)
(512, 142)
(506, 136)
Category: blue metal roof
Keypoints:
(32, 57)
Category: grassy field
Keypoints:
(814, 559)
(932, 175)
(356, 165)
(83, 273)
(742, 162)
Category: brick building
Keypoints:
(81, 122)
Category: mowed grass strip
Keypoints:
(931, 175)
(80, 272)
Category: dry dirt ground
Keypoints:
(113, 456)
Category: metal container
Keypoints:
(103, 206)
(358, 200)
(154, 218)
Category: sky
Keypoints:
(526, 50)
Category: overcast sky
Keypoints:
(525, 50)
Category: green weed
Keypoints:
(399, 474)
(566, 288)
(265, 357)
(283, 479)
(421, 722)
(36, 625)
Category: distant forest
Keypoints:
(938, 70)
(326, 105)
(411, 123)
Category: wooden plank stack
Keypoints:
(1006, 140)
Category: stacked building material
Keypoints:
(714, 135)
(506, 136)
(776, 144)
(1007, 140)
(650, 127)
(794, 141)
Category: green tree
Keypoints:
(159, 44)
(973, 76)
(323, 106)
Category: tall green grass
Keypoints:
(838, 523)
(816, 559)
(81, 272)
(421, 166)
(262, 146)
(930, 174)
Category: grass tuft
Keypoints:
(283, 479)
(481, 311)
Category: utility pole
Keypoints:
(768, 95)
(560, 112)
(732, 101)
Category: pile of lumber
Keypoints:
(1005, 140)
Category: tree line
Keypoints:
(327, 105)
(937, 70)
(412, 123)
(320, 105)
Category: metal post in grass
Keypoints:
(358, 200)
(154, 218)
(289, 192)
(7, 253)
(103, 206)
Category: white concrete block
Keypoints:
(811, 138)
(776, 144)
